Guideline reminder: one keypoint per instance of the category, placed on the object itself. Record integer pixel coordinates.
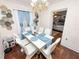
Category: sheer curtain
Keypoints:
(24, 20)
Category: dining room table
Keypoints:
(39, 40)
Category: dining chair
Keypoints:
(30, 50)
(47, 31)
(27, 29)
(40, 30)
(47, 52)
(22, 43)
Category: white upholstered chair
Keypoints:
(47, 31)
(40, 30)
(22, 43)
(30, 50)
(27, 47)
(27, 29)
(47, 52)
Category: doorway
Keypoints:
(58, 22)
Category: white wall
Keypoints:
(71, 28)
(1, 46)
(12, 5)
(44, 19)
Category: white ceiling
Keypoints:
(50, 1)
(27, 2)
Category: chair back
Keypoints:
(40, 30)
(47, 31)
(53, 46)
(18, 40)
(27, 29)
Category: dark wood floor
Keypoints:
(59, 53)
(15, 54)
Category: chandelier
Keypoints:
(39, 5)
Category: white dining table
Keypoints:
(37, 43)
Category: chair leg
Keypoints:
(49, 57)
(28, 57)
(22, 50)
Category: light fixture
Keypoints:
(39, 5)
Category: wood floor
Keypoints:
(59, 53)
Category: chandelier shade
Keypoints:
(39, 5)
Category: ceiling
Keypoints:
(50, 1)
(27, 2)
